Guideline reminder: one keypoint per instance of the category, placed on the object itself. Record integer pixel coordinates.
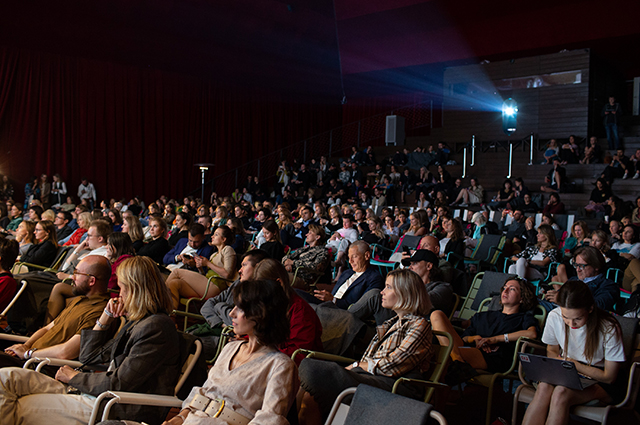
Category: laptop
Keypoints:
(554, 371)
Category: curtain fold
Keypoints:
(136, 131)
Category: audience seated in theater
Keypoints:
(61, 337)
(222, 264)
(8, 253)
(145, 356)
(181, 228)
(425, 264)
(633, 166)
(569, 151)
(216, 309)
(590, 266)
(25, 235)
(551, 152)
(119, 248)
(83, 221)
(402, 346)
(474, 194)
(240, 242)
(488, 341)
(181, 255)
(272, 244)
(579, 236)
(131, 226)
(513, 231)
(617, 167)
(408, 183)
(61, 222)
(532, 262)
(550, 221)
(253, 361)
(528, 206)
(158, 246)
(591, 339)
(416, 226)
(305, 328)
(628, 247)
(556, 179)
(94, 244)
(116, 219)
(504, 196)
(554, 206)
(313, 256)
(353, 283)
(15, 216)
(372, 232)
(453, 237)
(339, 242)
(44, 251)
(34, 213)
(520, 190)
(592, 152)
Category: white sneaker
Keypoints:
(637, 176)
(626, 176)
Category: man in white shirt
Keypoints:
(87, 191)
(342, 238)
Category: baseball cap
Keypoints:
(421, 255)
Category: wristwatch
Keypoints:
(355, 364)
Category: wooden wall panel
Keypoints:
(472, 100)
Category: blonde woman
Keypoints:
(145, 357)
(84, 222)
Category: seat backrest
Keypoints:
(371, 406)
(23, 286)
(63, 252)
(489, 286)
(410, 241)
(629, 328)
(194, 368)
(484, 248)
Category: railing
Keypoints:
(336, 142)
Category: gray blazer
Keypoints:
(146, 359)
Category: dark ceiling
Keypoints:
(384, 45)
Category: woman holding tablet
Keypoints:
(579, 332)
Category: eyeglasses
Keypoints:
(579, 267)
(76, 272)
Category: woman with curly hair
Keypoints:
(489, 338)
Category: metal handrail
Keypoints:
(357, 127)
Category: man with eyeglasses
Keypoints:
(62, 220)
(94, 244)
(590, 265)
(61, 337)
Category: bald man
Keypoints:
(61, 337)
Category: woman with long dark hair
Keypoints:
(579, 332)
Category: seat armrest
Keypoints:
(321, 356)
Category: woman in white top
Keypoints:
(628, 248)
(579, 332)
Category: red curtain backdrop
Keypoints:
(136, 131)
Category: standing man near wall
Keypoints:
(611, 113)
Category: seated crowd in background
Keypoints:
(320, 232)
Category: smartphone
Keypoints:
(406, 249)
(187, 256)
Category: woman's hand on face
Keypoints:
(115, 306)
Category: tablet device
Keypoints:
(554, 371)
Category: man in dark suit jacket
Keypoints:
(354, 283)
(197, 243)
